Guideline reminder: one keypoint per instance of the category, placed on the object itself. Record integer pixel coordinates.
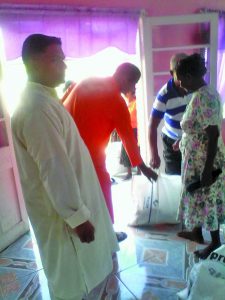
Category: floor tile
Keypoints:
(116, 290)
(153, 269)
(165, 258)
(153, 263)
(16, 283)
(42, 291)
(18, 269)
(1, 292)
(145, 286)
(127, 255)
(23, 248)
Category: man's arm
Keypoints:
(125, 131)
(47, 148)
(154, 155)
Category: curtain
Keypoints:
(83, 31)
(221, 50)
(221, 57)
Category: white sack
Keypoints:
(157, 202)
(207, 278)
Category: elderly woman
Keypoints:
(203, 157)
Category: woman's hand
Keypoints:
(212, 132)
(206, 178)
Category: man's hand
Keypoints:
(155, 161)
(176, 145)
(148, 172)
(85, 232)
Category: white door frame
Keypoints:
(145, 46)
(13, 215)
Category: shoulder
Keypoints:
(167, 92)
(163, 90)
(208, 94)
(96, 88)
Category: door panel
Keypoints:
(159, 38)
(13, 216)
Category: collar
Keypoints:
(45, 88)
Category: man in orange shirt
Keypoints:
(69, 85)
(98, 108)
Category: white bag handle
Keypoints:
(151, 196)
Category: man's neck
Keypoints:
(40, 81)
(181, 92)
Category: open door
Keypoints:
(160, 38)
(13, 216)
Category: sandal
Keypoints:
(121, 236)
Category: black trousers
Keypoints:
(172, 158)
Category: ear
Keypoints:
(35, 63)
(33, 68)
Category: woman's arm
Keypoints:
(212, 132)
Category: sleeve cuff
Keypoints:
(80, 216)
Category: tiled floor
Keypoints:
(151, 264)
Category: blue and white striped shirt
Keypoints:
(170, 106)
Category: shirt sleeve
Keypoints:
(125, 131)
(209, 109)
(46, 145)
(159, 104)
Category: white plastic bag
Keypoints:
(207, 278)
(155, 202)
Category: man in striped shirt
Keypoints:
(169, 105)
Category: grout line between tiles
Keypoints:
(127, 287)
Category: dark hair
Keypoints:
(36, 44)
(193, 64)
(129, 70)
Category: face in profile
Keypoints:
(129, 85)
(176, 80)
(130, 96)
(51, 66)
(186, 81)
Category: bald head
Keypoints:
(128, 70)
(175, 59)
(126, 76)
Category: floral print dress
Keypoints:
(205, 207)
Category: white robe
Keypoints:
(61, 191)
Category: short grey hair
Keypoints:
(175, 59)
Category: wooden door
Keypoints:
(13, 216)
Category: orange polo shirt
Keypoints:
(98, 108)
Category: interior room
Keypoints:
(97, 36)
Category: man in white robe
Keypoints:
(63, 197)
